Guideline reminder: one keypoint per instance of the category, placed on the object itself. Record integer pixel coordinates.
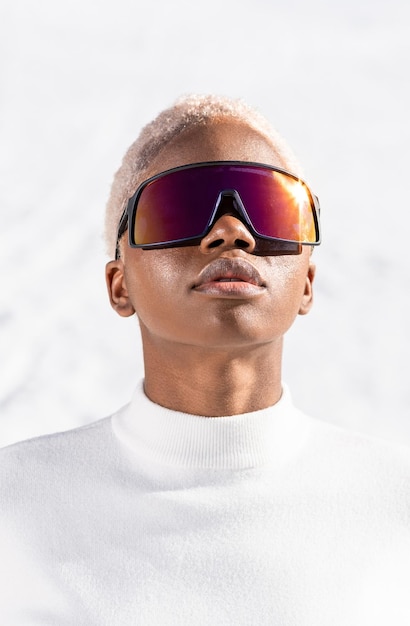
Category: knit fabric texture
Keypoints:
(154, 517)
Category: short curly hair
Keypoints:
(187, 112)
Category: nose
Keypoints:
(228, 231)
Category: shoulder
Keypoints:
(354, 445)
(60, 439)
(51, 456)
(359, 465)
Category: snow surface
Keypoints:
(78, 81)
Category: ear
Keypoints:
(307, 298)
(117, 289)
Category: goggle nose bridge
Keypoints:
(238, 206)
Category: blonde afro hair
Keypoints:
(187, 112)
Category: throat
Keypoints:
(214, 386)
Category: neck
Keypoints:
(212, 381)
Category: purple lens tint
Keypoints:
(181, 204)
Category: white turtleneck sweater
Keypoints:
(154, 517)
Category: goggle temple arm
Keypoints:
(122, 227)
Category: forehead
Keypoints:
(217, 141)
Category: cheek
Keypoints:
(288, 287)
(155, 288)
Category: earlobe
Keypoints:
(117, 289)
(307, 298)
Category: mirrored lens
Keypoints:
(278, 205)
(176, 206)
(180, 205)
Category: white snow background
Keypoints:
(78, 81)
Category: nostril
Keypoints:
(240, 243)
(216, 243)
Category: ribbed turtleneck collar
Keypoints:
(233, 442)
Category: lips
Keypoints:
(230, 276)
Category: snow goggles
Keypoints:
(180, 205)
